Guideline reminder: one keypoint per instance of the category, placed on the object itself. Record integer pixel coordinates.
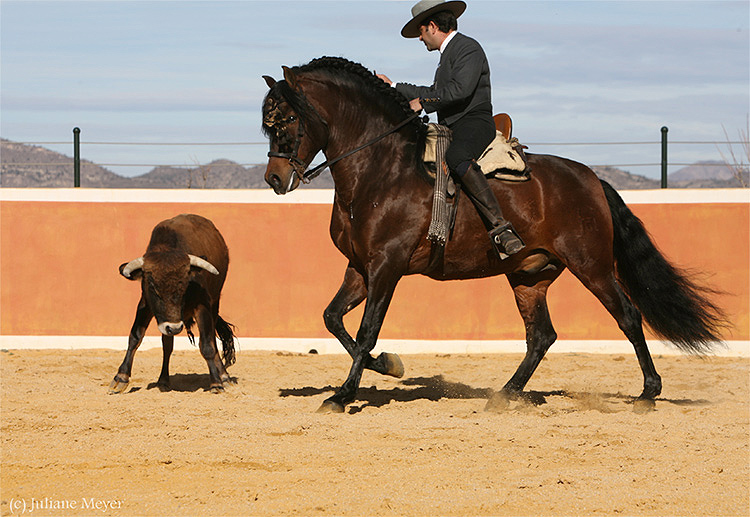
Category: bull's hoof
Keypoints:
(641, 406)
(329, 406)
(498, 402)
(393, 365)
(118, 385)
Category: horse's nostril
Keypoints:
(275, 181)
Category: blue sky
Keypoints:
(177, 71)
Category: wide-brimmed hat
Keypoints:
(426, 8)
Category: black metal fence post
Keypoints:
(664, 131)
(76, 157)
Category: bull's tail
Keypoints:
(673, 306)
(225, 332)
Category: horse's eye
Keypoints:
(292, 119)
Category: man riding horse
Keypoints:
(461, 95)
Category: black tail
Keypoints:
(673, 306)
(225, 331)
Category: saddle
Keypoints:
(503, 159)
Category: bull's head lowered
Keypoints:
(165, 279)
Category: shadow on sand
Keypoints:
(436, 388)
(188, 382)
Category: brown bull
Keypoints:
(181, 275)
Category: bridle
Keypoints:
(280, 127)
(308, 175)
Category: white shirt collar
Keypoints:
(447, 40)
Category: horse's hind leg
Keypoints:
(351, 293)
(531, 298)
(628, 318)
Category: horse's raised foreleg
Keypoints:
(351, 293)
(379, 295)
(531, 298)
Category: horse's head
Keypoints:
(295, 130)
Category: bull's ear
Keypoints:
(270, 81)
(290, 77)
(132, 270)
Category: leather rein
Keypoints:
(310, 174)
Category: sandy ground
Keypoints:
(421, 445)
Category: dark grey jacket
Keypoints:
(462, 81)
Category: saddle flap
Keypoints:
(503, 159)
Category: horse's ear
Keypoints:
(270, 81)
(289, 76)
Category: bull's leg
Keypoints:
(167, 345)
(381, 286)
(207, 344)
(143, 317)
(351, 293)
(531, 298)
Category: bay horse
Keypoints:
(381, 213)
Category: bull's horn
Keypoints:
(131, 266)
(203, 264)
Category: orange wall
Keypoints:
(59, 260)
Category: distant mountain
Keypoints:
(707, 174)
(623, 180)
(23, 165)
(33, 166)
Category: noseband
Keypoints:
(280, 126)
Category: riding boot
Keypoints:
(503, 235)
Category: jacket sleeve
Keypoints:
(455, 81)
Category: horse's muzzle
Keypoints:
(276, 184)
(281, 183)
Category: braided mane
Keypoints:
(367, 82)
(372, 90)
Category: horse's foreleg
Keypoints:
(379, 296)
(351, 293)
(531, 299)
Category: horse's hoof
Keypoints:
(117, 386)
(163, 387)
(393, 365)
(216, 389)
(498, 402)
(329, 406)
(641, 406)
